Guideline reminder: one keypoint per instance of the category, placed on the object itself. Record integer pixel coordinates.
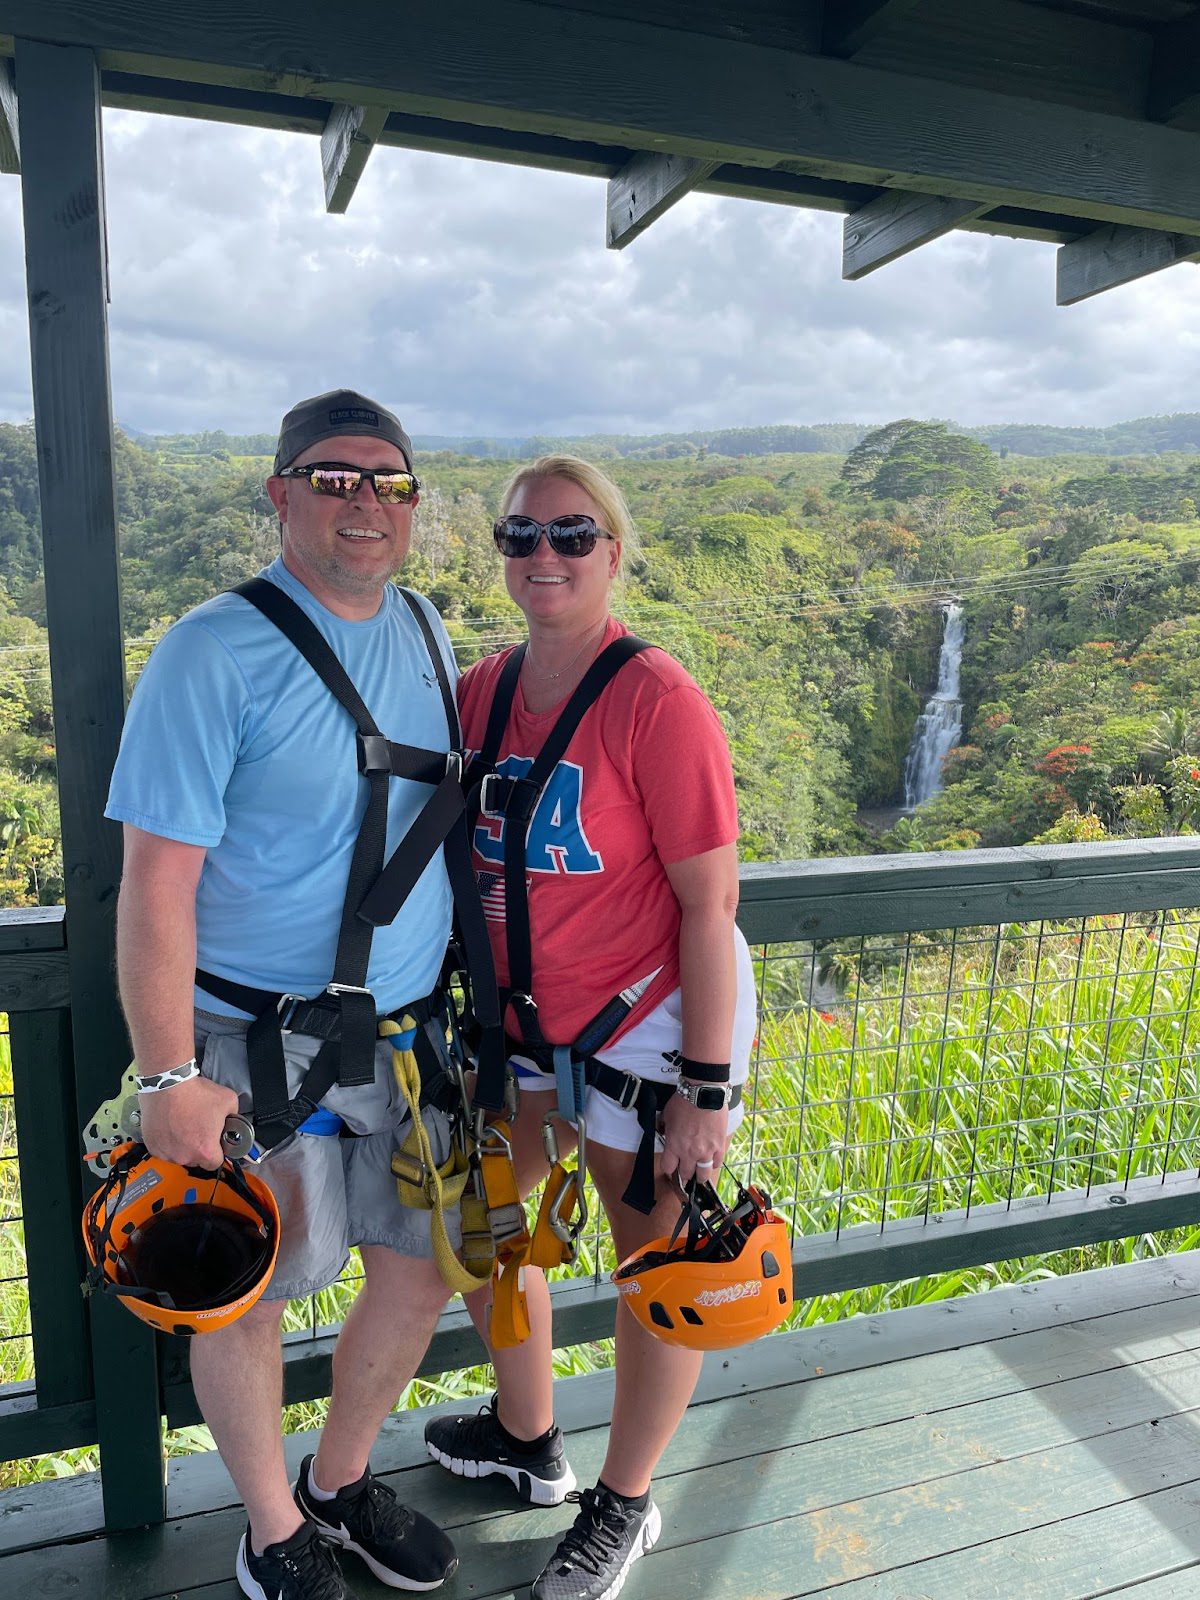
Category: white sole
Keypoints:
(646, 1540)
(383, 1574)
(536, 1491)
(246, 1583)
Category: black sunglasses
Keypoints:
(567, 536)
(344, 481)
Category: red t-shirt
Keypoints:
(645, 781)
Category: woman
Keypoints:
(630, 878)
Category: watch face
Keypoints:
(710, 1099)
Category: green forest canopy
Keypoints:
(802, 586)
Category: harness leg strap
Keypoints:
(639, 1192)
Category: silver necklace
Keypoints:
(550, 676)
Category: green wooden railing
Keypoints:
(963, 1058)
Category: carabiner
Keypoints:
(573, 1188)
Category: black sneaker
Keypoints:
(595, 1554)
(402, 1548)
(303, 1567)
(474, 1447)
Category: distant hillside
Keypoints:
(1145, 436)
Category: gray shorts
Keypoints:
(332, 1192)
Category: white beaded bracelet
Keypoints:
(168, 1079)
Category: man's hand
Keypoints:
(184, 1123)
(694, 1140)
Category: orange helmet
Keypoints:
(728, 1280)
(186, 1251)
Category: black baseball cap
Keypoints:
(339, 411)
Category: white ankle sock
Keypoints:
(315, 1489)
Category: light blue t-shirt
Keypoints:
(233, 742)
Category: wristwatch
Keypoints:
(705, 1096)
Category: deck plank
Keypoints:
(980, 1446)
(1107, 1552)
(71, 1509)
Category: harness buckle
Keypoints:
(286, 1009)
(632, 1087)
(374, 753)
(336, 989)
(515, 802)
(454, 765)
(486, 800)
(491, 1142)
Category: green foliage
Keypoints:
(803, 590)
(908, 459)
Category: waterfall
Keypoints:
(940, 724)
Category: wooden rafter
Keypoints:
(645, 187)
(851, 24)
(895, 223)
(1175, 71)
(346, 141)
(1112, 256)
(636, 85)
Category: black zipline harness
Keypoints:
(344, 1014)
(516, 800)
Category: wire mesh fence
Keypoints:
(16, 1344)
(933, 1072)
(920, 1073)
(16, 1341)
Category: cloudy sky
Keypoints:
(479, 299)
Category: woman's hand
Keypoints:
(694, 1140)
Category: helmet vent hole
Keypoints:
(157, 1206)
(128, 1227)
(782, 1297)
(659, 1315)
(770, 1267)
(694, 1317)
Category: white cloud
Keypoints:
(478, 299)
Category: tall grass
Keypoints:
(941, 1071)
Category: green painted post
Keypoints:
(62, 190)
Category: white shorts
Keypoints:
(644, 1052)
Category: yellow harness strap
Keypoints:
(561, 1217)
(419, 1180)
(560, 1205)
(508, 1322)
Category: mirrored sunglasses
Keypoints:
(567, 536)
(343, 482)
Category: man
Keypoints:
(239, 787)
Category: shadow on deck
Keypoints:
(1036, 1441)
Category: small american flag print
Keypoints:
(491, 892)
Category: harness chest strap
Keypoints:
(516, 799)
(374, 892)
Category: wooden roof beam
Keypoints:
(895, 223)
(644, 87)
(1112, 256)
(349, 137)
(1175, 72)
(10, 139)
(851, 24)
(645, 187)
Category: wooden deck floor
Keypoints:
(1031, 1442)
